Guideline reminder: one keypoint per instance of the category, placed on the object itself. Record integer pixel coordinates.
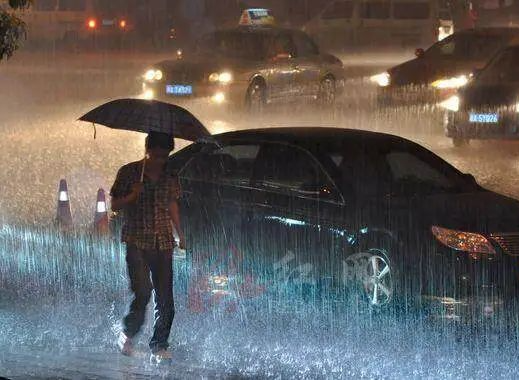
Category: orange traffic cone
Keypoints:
(64, 213)
(101, 215)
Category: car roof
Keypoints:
(259, 29)
(311, 137)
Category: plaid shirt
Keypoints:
(147, 223)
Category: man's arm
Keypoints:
(175, 218)
(120, 203)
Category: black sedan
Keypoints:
(250, 67)
(446, 66)
(306, 212)
(488, 107)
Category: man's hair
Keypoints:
(160, 140)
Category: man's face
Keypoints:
(158, 155)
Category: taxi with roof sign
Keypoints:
(251, 66)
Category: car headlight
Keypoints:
(223, 77)
(451, 104)
(382, 79)
(463, 241)
(152, 75)
(454, 82)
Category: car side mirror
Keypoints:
(419, 52)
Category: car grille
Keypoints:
(509, 242)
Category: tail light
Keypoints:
(92, 23)
(122, 24)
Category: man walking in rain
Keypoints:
(147, 195)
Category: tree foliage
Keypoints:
(12, 28)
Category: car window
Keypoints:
(484, 47)
(282, 44)
(338, 10)
(235, 44)
(408, 169)
(382, 168)
(503, 68)
(375, 10)
(452, 46)
(305, 47)
(291, 169)
(231, 164)
(411, 10)
(72, 5)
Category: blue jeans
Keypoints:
(150, 270)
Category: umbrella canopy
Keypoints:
(147, 116)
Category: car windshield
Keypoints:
(503, 68)
(246, 45)
(400, 168)
(468, 47)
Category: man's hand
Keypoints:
(182, 244)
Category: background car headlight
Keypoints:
(463, 241)
(451, 104)
(382, 79)
(152, 75)
(455, 82)
(223, 77)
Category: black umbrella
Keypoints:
(147, 116)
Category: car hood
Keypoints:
(410, 72)
(482, 95)
(419, 71)
(482, 211)
(197, 68)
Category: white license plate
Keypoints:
(488, 118)
(108, 22)
(179, 89)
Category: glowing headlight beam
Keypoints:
(152, 75)
(223, 77)
(149, 75)
(455, 82)
(451, 104)
(382, 79)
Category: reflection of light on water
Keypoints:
(81, 281)
(287, 221)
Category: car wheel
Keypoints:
(256, 99)
(377, 280)
(374, 282)
(327, 92)
(459, 142)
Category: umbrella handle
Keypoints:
(143, 167)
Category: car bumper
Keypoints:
(458, 125)
(459, 287)
(412, 95)
(216, 94)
